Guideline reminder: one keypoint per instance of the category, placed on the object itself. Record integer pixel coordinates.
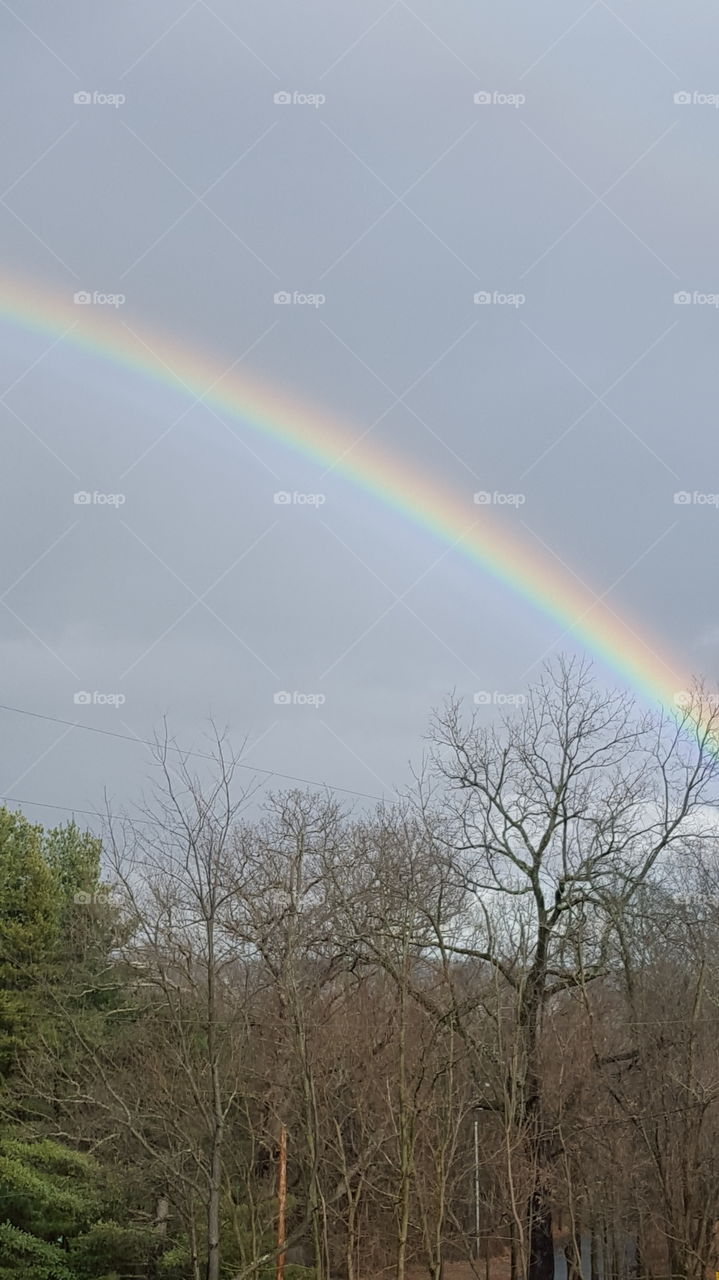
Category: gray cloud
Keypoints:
(397, 198)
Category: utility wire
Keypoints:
(95, 813)
(202, 755)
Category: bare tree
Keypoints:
(175, 869)
(567, 808)
(279, 909)
(665, 1080)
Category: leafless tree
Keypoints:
(561, 813)
(177, 869)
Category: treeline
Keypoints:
(484, 1020)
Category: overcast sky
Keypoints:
(583, 185)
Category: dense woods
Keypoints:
(484, 1021)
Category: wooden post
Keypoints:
(281, 1202)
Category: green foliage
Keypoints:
(23, 1255)
(28, 930)
(56, 1202)
(46, 881)
(65, 1005)
(52, 949)
(48, 1194)
(73, 857)
(126, 1250)
(48, 1190)
(174, 1263)
(293, 1271)
(57, 928)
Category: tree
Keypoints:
(28, 926)
(554, 820)
(174, 871)
(524, 951)
(664, 1081)
(48, 1198)
(279, 911)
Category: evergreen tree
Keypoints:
(28, 931)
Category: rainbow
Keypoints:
(450, 517)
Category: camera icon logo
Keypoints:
(282, 498)
(82, 297)
(82, 499)
(82, 98)
(482, 299)
(682, 699)
(282, 98)
(483, 98)
(482, 698)
(283, 298)
(682, 498)
(482, 499)
(682, 299)
(682, 98)
(82, 699)
(282, 699)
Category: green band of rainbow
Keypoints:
(532, 574)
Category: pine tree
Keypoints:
(28, 931)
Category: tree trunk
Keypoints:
(194, 1253)
(213, 1213)
(162, 1214)
(281, 1203)
(594, 1270)
(541, 1240)
(539, 1209)
(218, 1120)
(350, 1239)
(617, 1259)
(573, 1255)
(405, 1137)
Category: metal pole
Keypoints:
(476, 1190)
(281, 1202)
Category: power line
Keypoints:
(202, 755)
(95, 813)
